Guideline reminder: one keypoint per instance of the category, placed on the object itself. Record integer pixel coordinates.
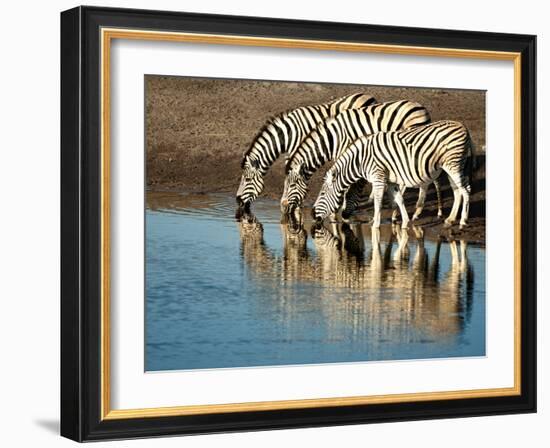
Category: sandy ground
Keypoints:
(198, 129)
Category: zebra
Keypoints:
(281, 134)
(331, 137)
(411, 158)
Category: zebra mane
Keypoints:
(294, 155)
(272, 120)
(318, 131)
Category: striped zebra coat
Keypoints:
(411, 158)
(330, 138)
(282, 134)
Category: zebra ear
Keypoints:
(255, 164)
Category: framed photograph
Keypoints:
(275, 224)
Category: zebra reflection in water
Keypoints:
(388, 287)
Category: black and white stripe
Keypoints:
(284, 133)
(411, 158)
(327, 141)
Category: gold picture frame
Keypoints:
(517, 49)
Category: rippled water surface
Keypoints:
(257, 293)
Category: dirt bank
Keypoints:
(198, 129)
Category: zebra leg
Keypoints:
(369, 201)
(462, 187)
(420, 202)
(378, 192)
(456, 204)
(438, 194)
(395, 208)
(465, 192)
(465, 189)
(465, 207)
(398, 199)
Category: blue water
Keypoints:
(257, 293)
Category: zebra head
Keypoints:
(295, 188)
(329, 199)
(252, 183)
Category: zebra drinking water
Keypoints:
(412, 158)
(282, 134)
(330, 138)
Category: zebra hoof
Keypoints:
(447, 224)
(463, 225)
